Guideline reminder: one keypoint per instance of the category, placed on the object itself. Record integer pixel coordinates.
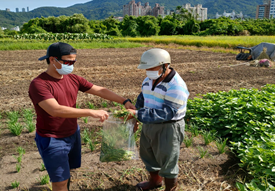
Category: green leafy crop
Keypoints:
(246, 117)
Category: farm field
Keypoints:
(208, 41)
(117, 70)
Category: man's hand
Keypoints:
(136, 126)
(132, 113)
(129, 105)
(101, 114)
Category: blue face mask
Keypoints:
(65, 69)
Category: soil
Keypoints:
(117, 70)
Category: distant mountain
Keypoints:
(101, 9)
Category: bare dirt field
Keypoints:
(117, 70)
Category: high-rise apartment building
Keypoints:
(158, 10)
(136, 9)
(8, 10)
(17, 10)
(272, 9)
(198, 11)
(263, 11)
(28, 9)
(23, 10)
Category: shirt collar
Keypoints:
(170, 76)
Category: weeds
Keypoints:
(138, 132)
(28, 115)
(91, 146)
(104, 104)
(221, 145)
(194, 130)
(13, 117)
(131, 171)
(18, 167)
(21, 151)
(86, 137)
(42, 167)
(91, 105)
(28, 118)
(44, 179)
(85, 119)
(18, 159)
(15, 184)
(15, 128)
(202, 152)
(208, 137)
(30, 126)
(115, 103)
(188, 141)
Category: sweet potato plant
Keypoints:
(247, 118)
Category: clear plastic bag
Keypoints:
(118, 140)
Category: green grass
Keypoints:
(208, 41)
(42, 167)
(18, 167)
(15, 184)
(202, 152)
(215, 43)
(15, 128)
(188, 141)
(44, 179)
(221, 145)
(11, 44)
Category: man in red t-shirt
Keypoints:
(54, 94)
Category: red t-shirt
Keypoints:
(65, 92)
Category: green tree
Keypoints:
(129, 26)
(1, 32)
(97, 26)
(32, 23)
(10, 32)
(112, 26)
(168, 26)
(148, 25)
(77, 24)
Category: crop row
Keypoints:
(246, 117)
(63, 36)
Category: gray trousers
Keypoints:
(160, 147)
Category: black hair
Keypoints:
(48, 60)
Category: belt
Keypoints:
(171, 121)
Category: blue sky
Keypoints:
(33, 4)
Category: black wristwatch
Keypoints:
(126, 101)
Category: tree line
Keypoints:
(183, 23)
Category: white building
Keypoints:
(197, 11)
(272, 9)
(17, 28)
(232, 15)
(120, 19)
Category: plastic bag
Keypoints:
(118, 140)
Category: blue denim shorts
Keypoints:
(60, 155)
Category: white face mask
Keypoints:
(153, 75)
(65, 69)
